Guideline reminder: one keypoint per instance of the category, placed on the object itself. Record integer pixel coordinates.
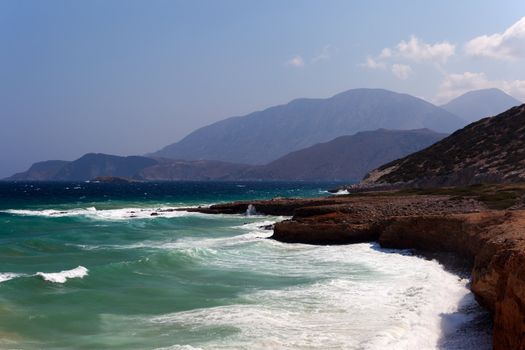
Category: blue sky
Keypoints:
(128, 77)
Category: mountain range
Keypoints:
(345, 158)
(306, 139)
(264, 136)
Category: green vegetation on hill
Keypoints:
(494, 196)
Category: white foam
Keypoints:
(108, 214)
(63, 276)
(341, 192)
(179, 347)
(6, 276)
(189, 244)
(255, 232)
(359, 297)
(259, 225)
(383, 301)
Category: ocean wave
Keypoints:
(404, 302)
(179, 347)
(107, 214)
(185, 244)
(221, 242)
(63, 276)
(256, 231)
(56, 277)
(260, 225)
(341, 192)
(6, 276)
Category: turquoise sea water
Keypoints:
(86, 266)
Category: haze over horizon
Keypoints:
(129, 77)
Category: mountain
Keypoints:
(92, 166)
(86, 167)
(490, 150)
(264, 136)
(346, 157)
(197, 170)
(41, 171)
(478, 104)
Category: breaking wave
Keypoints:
(6, 276)
(107, 214)
(63, 276)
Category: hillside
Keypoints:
(474, 105)
(490, 150)
(264, 136)
(346, 157)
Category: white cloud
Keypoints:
(509, 45)
(413, 50)
(385, 53)
(325, 54)
(373, 64)
(402, 71)
(454, 85)
(515, 88)
(418, 51)
(296, 61)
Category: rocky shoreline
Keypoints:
(485, 226)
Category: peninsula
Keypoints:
(483, 224)
(464, 195)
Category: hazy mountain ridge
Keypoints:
(86, 167)
(197, 170)
(490, 150)
(346, 157)
(260, 136)
(40, 171)
(264, 136)
(478, 104)
(91, 166)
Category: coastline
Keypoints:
(476, 333)
(492, 240)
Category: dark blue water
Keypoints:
(44, 193)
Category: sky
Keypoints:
(129, 77)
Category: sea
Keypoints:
(110, 266)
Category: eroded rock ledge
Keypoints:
(467, 225)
